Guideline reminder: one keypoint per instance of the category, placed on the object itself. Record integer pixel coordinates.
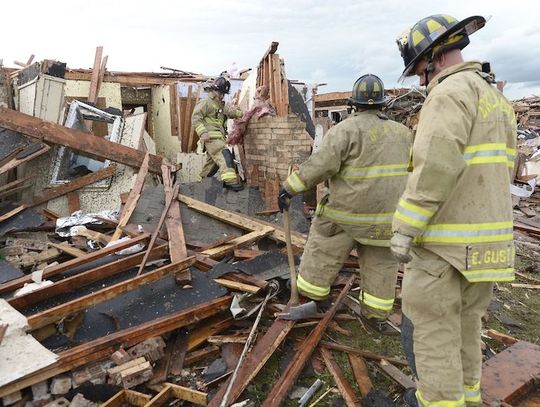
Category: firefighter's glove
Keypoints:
(284, 200)
(400, 246)
(204, 137)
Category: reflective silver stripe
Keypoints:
(353, 218)
(411, 214)
(352, 173)
(485, 153)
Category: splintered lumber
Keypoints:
(500, 337)
(56, 313)
(396, 375)
(158, 228)
(281, 389)
(172, 391)
(84, 278)
(74, 203)
(202, 334)
(18, 157)
(102, 348)
(236, 286)
(361, 374)
(197, 355)
(363, 353)
(175, 230)
(85, 143)
(247, 239)
(343, 385)
(68, 265)
(254, 362)
(62, 190)
(127, 397)
(240, 220)
(133, 197)
(529, 286)
(94, 82)
(67, 248)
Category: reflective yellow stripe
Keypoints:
(200, 129)
(228, 175)
(412, 214)
(296, 183)
(439, 403)
(472, 393)
(214, 134)
(354, 218)
(376, 302)
(463, 233)
(311, 289)
(484, 275)
(215, 122)
(489, 153)
(375, 171)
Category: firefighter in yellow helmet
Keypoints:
(364, 159)
(453, 224)
(209, 120)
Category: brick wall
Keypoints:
(271, 144)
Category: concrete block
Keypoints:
(40, 391)
(11, 398)
(61, 402)
(60, 385)
(80, 401)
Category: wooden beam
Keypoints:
(76, 281)
(74, 203)
(85, 143)
(68, 265)
(244, 240)
(187, 120)
(203, 333)
(500, 337)
(197, 355)
(175, 230)
(15, 162)
(240, 220)
(361, 374)
(94, 81)
(133, 197)
(127, 397)
(69, 249)
(281, 389)
(102, 348)
(363, 353)
(60, 311)
(158, 228)
(192, 146)
(185, 393)
(339, 378)
(396, 375)
(233, 285)
(255, 360)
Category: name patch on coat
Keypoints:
(487, 256)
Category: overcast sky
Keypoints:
(332, 41)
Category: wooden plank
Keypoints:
(529, 286)
(173, 222)
(281, 389)
(67, 248)
(9, 186)
(74, 204)
(15, 162)
(187, 119)
(85, 143)
(526, 277)
(240, 220)
(343, 385)
(363, 353)
(60, 311)
(158, 228)
(185, 393)
(501, 337)
(127, 397)
(102, 348)
(244, 240)
(73, 185)
(92, 95)
(203, 333)
(67, 265)
(361, 374)
(192, 144)
(236, 286)
(102, 70)
(161, 398)
(255, 360)
(76, 281)
(396, 375)
(173, 106)
(246, 254)
(133, 197)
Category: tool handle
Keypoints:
(290, 256)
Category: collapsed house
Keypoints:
(121, 277)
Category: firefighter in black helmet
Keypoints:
(364, 159)
(210, 122)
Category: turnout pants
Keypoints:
(327, 247)
(218, 154)
(445, 311)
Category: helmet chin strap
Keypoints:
(430, 67)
